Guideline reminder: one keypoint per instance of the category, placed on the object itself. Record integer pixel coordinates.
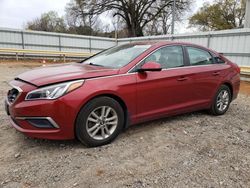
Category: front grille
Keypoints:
(12, 95)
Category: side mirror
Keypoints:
(150, 66)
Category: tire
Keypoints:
(99, 122)
(221, 104)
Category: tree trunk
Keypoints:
(139, 32)
(130, 31)
(134, 30)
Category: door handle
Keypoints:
(216, 73)
(182, 78)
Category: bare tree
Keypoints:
(162, 23)
(81, 14)
(49, 21)
(137, 14)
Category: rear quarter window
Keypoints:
(219, 60)
(198, 56)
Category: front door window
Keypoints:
(168, 57)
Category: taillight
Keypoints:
(237, 68)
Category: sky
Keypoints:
(15, 13)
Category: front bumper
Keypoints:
(43, 127)
(45, 119)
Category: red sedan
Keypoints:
(94, 100)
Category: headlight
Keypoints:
(54, 91)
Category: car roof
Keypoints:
(162, 43)
(156, 44)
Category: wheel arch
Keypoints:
(120, 101)
(112, 96)
(230, 86)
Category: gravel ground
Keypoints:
(191, 150)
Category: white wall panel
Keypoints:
(41, 39)
(75, 42)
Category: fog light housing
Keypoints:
(40, 122)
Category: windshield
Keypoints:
(118, 56)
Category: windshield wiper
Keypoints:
(93, 64)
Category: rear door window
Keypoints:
(198, 56)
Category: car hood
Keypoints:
(63, 72)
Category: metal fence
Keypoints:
(235, 44)
(34, 40)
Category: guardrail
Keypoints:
(18, 52)
(245, 73)
(245, 70)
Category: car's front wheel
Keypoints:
(221, 101)
(99, 122)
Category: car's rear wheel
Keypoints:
(99, 122)
(221, 101)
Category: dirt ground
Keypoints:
(191, 150)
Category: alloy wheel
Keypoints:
(102, 122)
(222, 100)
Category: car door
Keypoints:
(206, 75)
(163, 92)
